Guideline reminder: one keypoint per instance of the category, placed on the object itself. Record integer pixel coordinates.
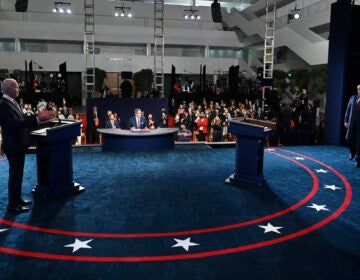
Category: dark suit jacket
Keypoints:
(132, 123)
(108, 124)
(351, 116)
(14, 125)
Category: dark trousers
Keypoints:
(353, 141)
(16, 172)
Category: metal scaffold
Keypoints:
(159, 46)
(269, 45)
(89, 49)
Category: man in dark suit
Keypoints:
(16, 140)
(93, 125)
(352, 123)
(137, 121)
(112, 123)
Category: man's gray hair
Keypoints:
(6, 84)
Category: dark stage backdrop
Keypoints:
(125, 108)
(343, 63)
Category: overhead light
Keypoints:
(294, 14)
(123, 11)
(62, 7)
(191, 14)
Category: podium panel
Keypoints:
(250, 142)
(54, 158)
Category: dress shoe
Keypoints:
(24, 202)
(357, 164)
(18, 209)
(351, 156)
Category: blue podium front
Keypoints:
(54, 158)
(250, 142)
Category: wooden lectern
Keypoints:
(54, 142)
(250, 142)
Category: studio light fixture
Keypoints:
(62, 7)
(123, 11)
(191, 14)
(294, 14)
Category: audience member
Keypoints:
(184, 134)
(163, 119)
(151, 122)
(202, 127)
(112, 122)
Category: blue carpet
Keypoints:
(169, 215)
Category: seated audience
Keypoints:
(112, 122)
(151, 122)
(163, 118)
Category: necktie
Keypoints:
(138, 123)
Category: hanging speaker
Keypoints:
(216, 11)
(21, 5)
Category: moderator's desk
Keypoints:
(125, 140)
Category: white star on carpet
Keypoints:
(3, 229)
(318, 207)
(79, 244)
(270, 150)
(186, 243)
(332, 187)
(270, 228)
(299, 158)
(321, 171)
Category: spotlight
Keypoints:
(294, 14)
(62, 7)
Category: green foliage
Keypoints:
(313, 80)
(318, 79)
(143, 80)
(300, 78)
(280, 81)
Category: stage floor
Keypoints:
(170, 215)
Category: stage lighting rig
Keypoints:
(62, 7)
(122, 11)
(192, 14)
(294, 14)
